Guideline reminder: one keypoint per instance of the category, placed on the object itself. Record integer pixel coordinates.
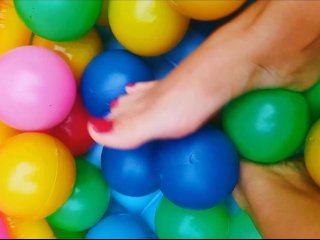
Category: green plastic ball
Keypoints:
(88, 202)
(59, 20)
(267, 126)
(242, 227)
(179, 223)
(62, 234)
(313, 98)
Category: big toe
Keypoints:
(120, 133)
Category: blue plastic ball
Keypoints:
(149, 212)
(106, 77)
(198, 171)
(109, 41)
(130, 172)
(121, 226)
(134, 205)
(94, 155)
(160, 66)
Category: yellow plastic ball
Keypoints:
(312, 153)
(26, 229)
(37, 176)
(6, 132)
(147, 28)
(78, 54)
(206, 9)
(13, 32)
(103, 19)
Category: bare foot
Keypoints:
(237, 58)
(282, 199)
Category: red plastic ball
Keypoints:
(73, 130)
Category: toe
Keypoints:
(121, 133)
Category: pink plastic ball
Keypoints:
(37, 89)
(3, 229)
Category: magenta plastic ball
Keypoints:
(37, 89)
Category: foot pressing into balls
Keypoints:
(261, 48)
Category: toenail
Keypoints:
(114, 103)
(101, 125)
(131, 84)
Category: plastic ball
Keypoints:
(173, 222)
(73, 131)
(206, 10)
(4, 233)
(313, 98)
(147, 28)
(121, 226)
(62, 234)
(94, 155)
(38, 89)
(198, 171)
(134, 205)
(107, 76)
(59, 20)
(88, 202)
(232, 206)
(312, 153)
(6, 132)
(37, 176)
(267, 126)
(13, 32)
(130, 172)
(109, 41)
(160, 66)
(78, 53)
(28, 229)
(149, 212)
(242, 227)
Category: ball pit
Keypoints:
(63, 61)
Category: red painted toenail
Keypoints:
(101, 125)
(131, 84)
(114, 103)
